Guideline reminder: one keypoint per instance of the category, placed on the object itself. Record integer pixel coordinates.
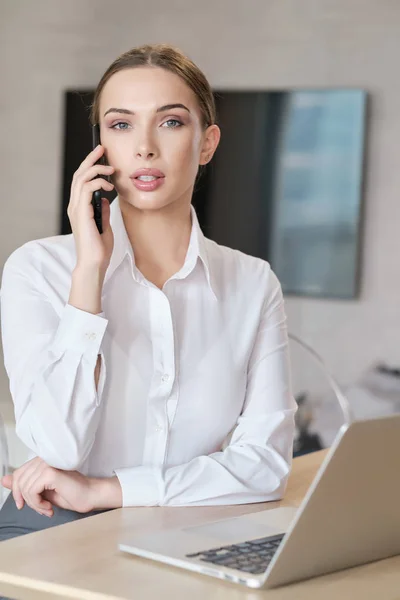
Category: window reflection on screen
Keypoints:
(317, 192)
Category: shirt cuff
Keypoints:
(141, 486)
(80, 330)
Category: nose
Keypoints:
(146, 147)
(144, 153)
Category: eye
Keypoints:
(172, 124)
(119, 123)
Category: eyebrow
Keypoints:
(125, 111)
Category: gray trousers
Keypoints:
(14, 522)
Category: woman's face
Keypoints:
(141, 127)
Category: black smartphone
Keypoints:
(98, 194)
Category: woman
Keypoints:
(133, 354)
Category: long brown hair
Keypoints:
(169, 58)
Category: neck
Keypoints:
(159, 238)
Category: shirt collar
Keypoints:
(122, 247)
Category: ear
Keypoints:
(211, 139)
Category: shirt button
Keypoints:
(165, 378)
(159, 428)
(90, 335)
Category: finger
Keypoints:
(6, 481)
(88, 189)
(105, 214)
(20, 473)
(45, 483)
(90, 160)
(16, 492)
(35, 500)
(93, 158)
(27, 478)
(26, 474)
(54, 498)
(34, 485)
(93, 172)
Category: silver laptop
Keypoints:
(349, 516)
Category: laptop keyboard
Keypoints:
(253, 556)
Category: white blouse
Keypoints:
(181, 368)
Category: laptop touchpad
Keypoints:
(246, 527)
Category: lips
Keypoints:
(152, 179)
(147, 173)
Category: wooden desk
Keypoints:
(81, 560)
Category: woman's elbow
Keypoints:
(64, 451)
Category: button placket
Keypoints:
(160, 389)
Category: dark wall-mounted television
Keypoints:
(285, 184)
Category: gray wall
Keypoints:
(48, 45)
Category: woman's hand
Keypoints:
(42, 486)
(93, 250)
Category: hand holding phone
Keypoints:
(93, 251)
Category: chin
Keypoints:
(147, 200)
(155, 200)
